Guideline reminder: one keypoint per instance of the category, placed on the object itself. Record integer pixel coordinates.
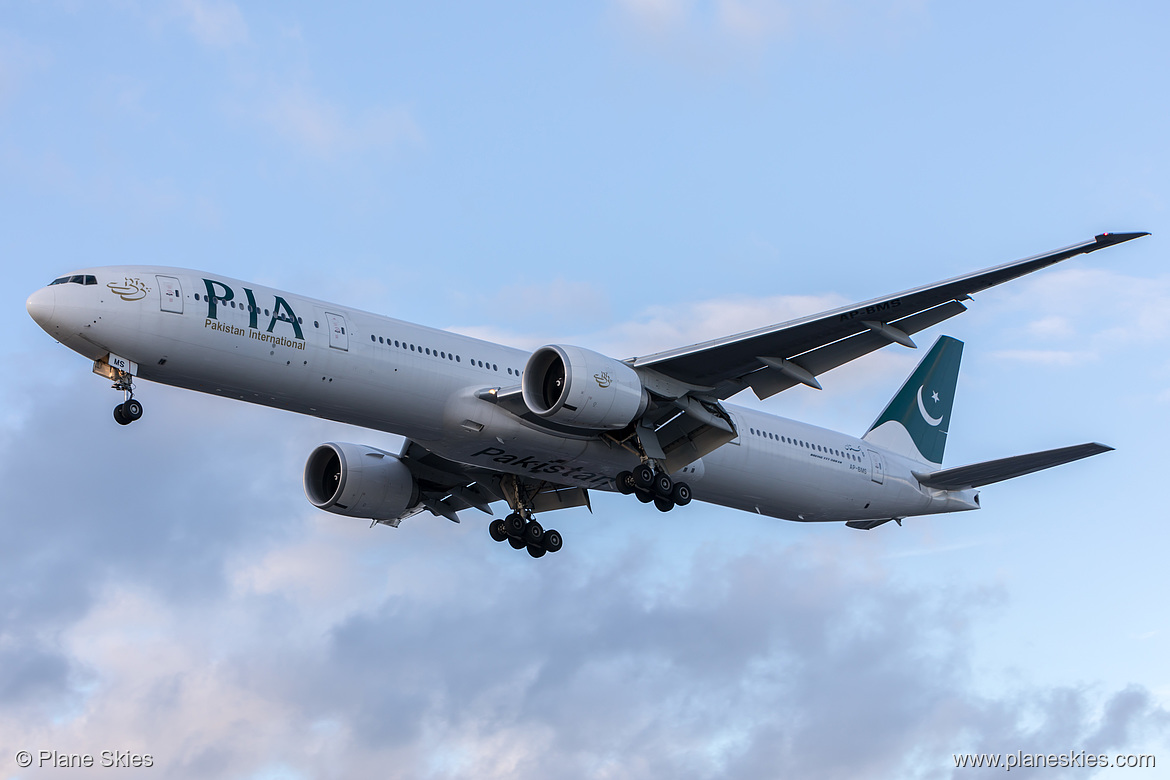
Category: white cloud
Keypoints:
(18, 60)
(1052, 326)
(317, 124)
(463, 665)
(1093, 307)
(658, 14)
(559, 300)
(702, 24)
(216, 23)
(666, 327)
(655, 328)
(1049, 357)
(753, 19)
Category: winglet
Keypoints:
(1109, 239)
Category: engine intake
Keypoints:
(582, 388)
(359, 481)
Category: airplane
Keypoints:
(484, 423)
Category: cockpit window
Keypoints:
(84, 279)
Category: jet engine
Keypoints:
(582, 388)
(359, 481)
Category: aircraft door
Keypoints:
(338, 338)
(171, 293)
(877, 468)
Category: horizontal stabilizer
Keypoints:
(990, 471)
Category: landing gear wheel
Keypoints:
(625, 483)
(643, 496)
(644, 477)
(514, 526)
(551, 541)
(533, 534)
(132, 410)
(119, 416)
(516, 543)
(663, 504)
(497, 530)
(536, 551)
(663, 485)
(681, 495)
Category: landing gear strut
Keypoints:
(649, 484)
(129, 410)
(519, 528)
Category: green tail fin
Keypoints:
(916, 420)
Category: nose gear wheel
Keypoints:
(131, 409)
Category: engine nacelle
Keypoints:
(359, 481)
(582, 388)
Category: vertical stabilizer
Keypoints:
(916, 420)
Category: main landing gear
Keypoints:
(648, 484)
(525, 533)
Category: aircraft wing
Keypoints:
(447, 487)
(778, 357)
(990, 471)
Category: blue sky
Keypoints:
(628, 176)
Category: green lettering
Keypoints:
(253, 309)
(282, 304)
(214, 298)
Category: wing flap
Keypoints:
(818, 361)
(991, 471)
(447, 487)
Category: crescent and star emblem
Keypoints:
(933, 421)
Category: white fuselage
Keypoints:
(227, 337)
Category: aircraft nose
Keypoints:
(40, 306)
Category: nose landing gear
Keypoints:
(129, 410)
